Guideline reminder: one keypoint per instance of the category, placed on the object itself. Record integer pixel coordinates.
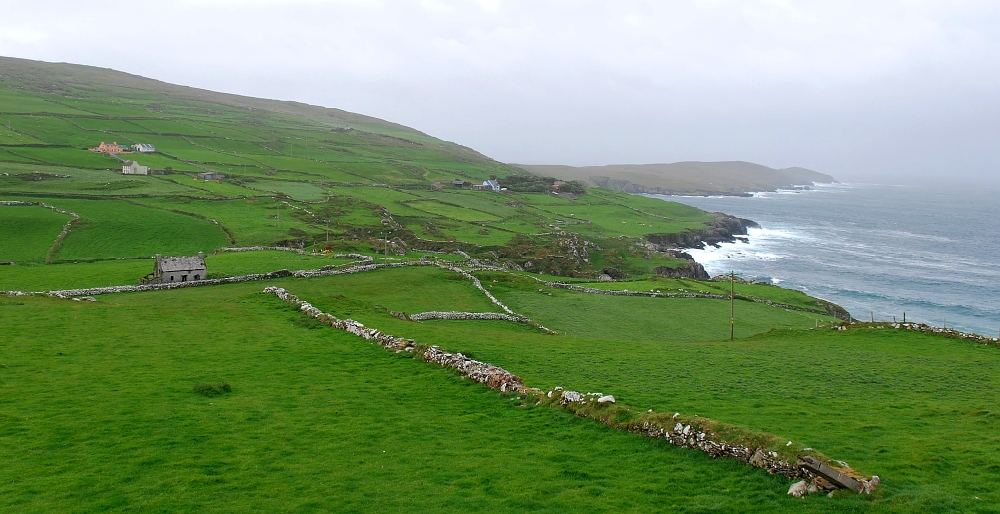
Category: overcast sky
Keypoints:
(890, 91)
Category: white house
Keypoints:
(144, 148)
(488, 185)
(134, 168)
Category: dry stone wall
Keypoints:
(687, 435)
(653, 294)
(453, 315)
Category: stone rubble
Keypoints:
(454, 315)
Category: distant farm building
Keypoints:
(487, 185)
(556, 184)
(144, 148)
(211, 175)
(170, 270)
(113, 148)
(134, 168)
(458, 184)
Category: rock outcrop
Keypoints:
(722, 229)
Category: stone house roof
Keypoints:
(168, 264)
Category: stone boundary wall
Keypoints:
(619, 292)
(452, 315)
(299, 251)
(495, 377)
(923, 328)
(488, 374)
(68, 293)
(479, 286)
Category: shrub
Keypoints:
(213, 389)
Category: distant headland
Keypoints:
(685, 178)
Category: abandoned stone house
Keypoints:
(134, 168)
(169, 270)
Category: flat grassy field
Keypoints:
(103, 419)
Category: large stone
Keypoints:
(798, 489)
(571, 397)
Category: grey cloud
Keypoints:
(876, 91)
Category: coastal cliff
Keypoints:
(723, 229)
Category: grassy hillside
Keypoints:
(99, 401)
(294, 175)
(690, 178)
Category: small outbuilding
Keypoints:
(144, 148)
(170, 270)
(211, 175)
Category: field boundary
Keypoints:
(690, 432)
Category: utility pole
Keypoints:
(732, 305)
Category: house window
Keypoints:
(197, 277)
(184, 278)
(171, 278)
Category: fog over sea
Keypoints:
(933, 253)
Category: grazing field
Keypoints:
(221, 398)
(98, 419)
(758, 382)
(117, 229)
(28, 231)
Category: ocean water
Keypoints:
(873, 249)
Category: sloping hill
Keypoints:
(89, 82)
(699, 178)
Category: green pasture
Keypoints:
(171, 127)
(27, 232)
(36, 179)
(70, 157)
(69, 275)
(918, 410)
(251, 221)
(104, 124)
(56, 131)
(497, 205)
(98, 418)
(115, 229)
(9, 155)
(452, 211)
(13, 137)
(14, 102)
(304, 191)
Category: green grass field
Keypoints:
(117, 229)
(316, 421)
(98, 402)
(28, 231)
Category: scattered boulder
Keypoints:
(798, 489)
(570, 397)
(606, 399)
